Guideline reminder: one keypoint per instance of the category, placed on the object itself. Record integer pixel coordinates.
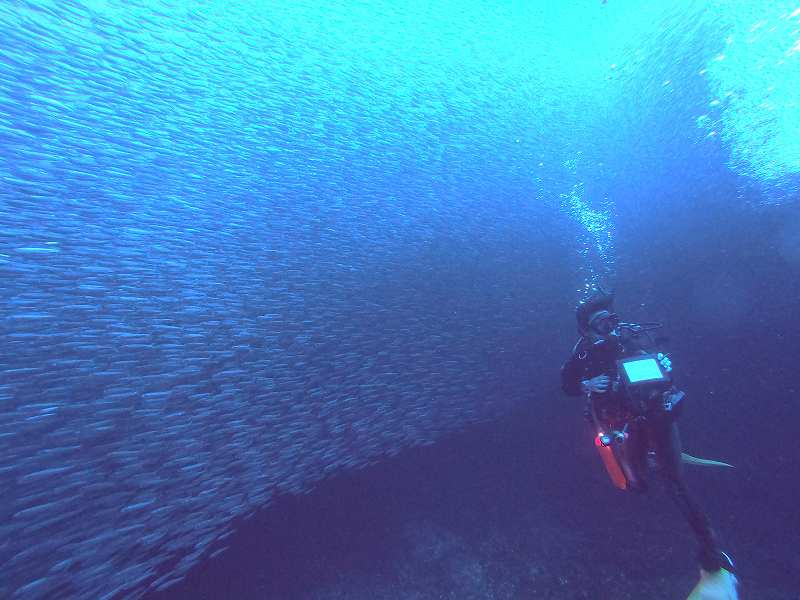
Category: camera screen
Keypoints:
(646, 369)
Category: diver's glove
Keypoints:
(665, 362)
(597, 384)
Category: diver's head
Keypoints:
(602, 325)
(595, 316)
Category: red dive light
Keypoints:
(603, 441)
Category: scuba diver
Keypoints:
(633, 407)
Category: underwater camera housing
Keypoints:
(645, 381)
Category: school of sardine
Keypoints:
(236, 257)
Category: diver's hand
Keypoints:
(596, 384)
(666, 363)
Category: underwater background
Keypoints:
(285, 288)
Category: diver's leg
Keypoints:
(667, 444)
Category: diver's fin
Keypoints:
(702, 462)
(720, 585)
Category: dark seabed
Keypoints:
(466, 519)
(285, 289)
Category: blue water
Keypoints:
(248, 249)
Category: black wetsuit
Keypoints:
(650, 427)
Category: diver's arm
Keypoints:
(571, 375)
